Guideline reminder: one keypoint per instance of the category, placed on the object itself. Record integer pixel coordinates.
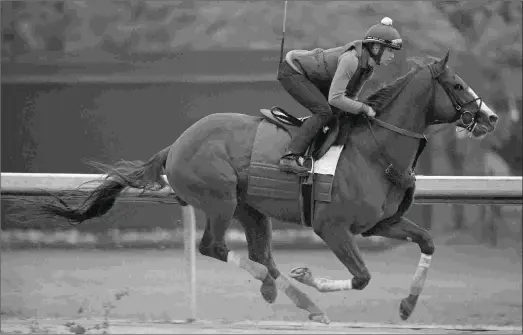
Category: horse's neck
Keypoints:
(408, 111)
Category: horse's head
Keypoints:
(468, 110)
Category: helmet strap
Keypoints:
(380, 53)
(376, 57)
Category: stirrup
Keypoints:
(300, 162)
(308, 157)
(292, 164)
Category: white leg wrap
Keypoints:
(420, 275)
(282, 283)
(424, 260)
(234, 258)
(327, 285)
(257, 270)
(300, 299)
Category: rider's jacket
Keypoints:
(343, 69)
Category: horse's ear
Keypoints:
(445, 60)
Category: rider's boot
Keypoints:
(292, 160)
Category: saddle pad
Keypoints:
(327, 164)
(324, 170)
(266, 180)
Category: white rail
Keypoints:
(429, 189)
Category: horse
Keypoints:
(209, 164)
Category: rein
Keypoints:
(392, 173)
(466, 117)
(407, 178)
(395, 129)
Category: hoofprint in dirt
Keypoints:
(57, 326)
(469, 285)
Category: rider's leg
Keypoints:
(309, 96)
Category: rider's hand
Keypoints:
(368, 110)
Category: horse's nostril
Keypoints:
(493, 119)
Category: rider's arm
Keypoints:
(347, 65)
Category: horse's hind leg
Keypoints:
(213, 245)
(258, 232)
(404, 229)
(258, 235)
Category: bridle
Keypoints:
(467, 118)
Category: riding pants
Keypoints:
(309, 96)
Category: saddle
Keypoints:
(321, 142)
(319, 146)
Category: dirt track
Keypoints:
(12, 326)
(468, 285)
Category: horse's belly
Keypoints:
(284, 210)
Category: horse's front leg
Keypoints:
(404, 229)
(341, 241)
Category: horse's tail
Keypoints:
(145, 176)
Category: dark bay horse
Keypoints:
(208, 168)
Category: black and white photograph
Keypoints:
(261, 167)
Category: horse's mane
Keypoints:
(384, 95)
(381, 98)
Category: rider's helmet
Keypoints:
(385, 34)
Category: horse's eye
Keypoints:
(458, 87)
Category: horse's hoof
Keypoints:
(407, 306)
(320, 318)
(302, 274)
(269, 291)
